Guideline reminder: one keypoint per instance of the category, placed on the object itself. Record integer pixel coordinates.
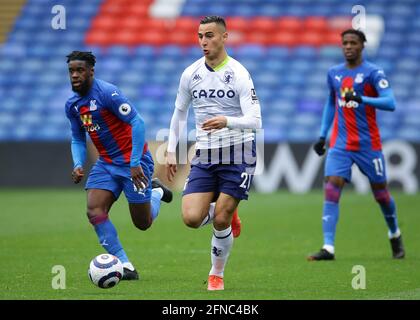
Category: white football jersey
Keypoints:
(215, 93)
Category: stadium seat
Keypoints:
(237, 23)
(284, 38)
(288, 48)
(263, 25)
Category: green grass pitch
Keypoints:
(43, 228)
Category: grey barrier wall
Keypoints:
(292, 167)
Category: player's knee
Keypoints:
(190, 219)
(332, 192)
(96, 217)
(222, 220)
(382, 196)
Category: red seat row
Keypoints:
(128, 22)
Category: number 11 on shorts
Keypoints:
(379, 168)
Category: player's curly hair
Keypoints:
(83, 56)
(358, 33)
(216, 19)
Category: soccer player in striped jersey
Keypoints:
(125, 162)
(357, 89)
(226, 110)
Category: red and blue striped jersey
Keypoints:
(354, 125)
(105, 114)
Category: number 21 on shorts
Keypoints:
(246, 182)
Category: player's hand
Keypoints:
(352, 96)
(214, 123)
(139, 179)
(171, 166)
(77, 174)
(319, 146)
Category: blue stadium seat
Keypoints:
(290, 82)
(269, 10)
(145, 51)
(279, 52)
(243, 10)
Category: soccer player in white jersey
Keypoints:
(227, 113)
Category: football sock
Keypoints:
(210, 216)
(129, 266)
(108, 237)
(221, 243)
(387, 204)
(157, 194)
(330, 214)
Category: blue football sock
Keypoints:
(389, 212)
(108, 238)
(329, 221)
(155, 203)
(387, 204)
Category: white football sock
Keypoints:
(210, 216)
(329, 248)
(159, 190)
(128, 265)
(394, 235)
(221, 243)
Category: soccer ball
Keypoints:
(105, 271)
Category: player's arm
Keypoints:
(123, 109)
(138, 132)
(178, 124)
(384, 101)
(327, 119)
(78, 149)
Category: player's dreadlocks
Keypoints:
(358, 33)
(83, 56)
(217, 19)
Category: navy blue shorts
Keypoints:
(223, 170)
(118, 178)
(370, 163)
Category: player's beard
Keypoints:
(83, 88)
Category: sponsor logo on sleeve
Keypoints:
(383, 83)
(124, 109)
(254, 98)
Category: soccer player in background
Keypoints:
(357, 88)
(222, 94)
(125, 162)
